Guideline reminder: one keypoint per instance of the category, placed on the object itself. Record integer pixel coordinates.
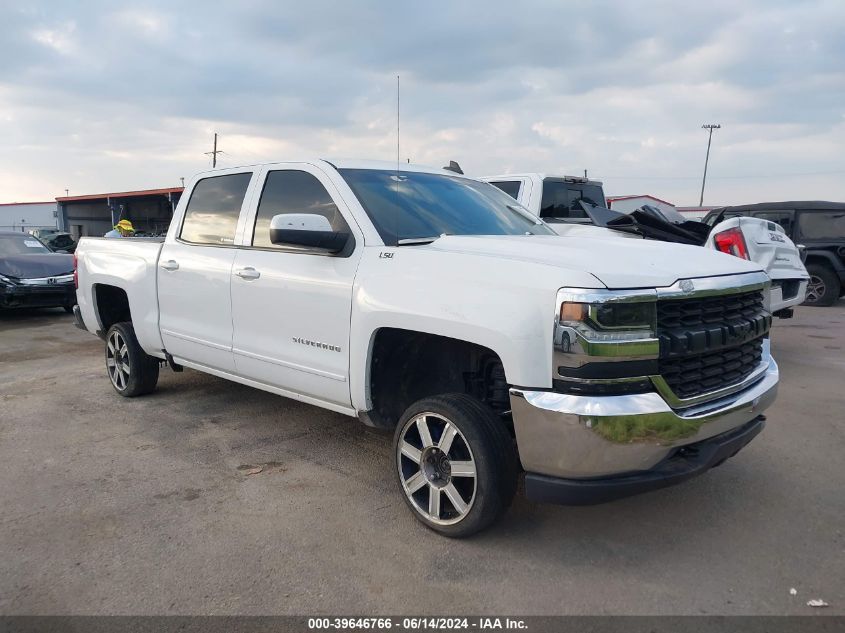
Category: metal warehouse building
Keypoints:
(24, 216)
(149, 210)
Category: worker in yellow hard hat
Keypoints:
(123, 228)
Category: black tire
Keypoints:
(122, 352)
(481, 443)
(824, 286)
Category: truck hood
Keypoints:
(36, 265)
(617, 263)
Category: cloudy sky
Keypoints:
(113, 96)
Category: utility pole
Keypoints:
(182, 178)
(709, 127)
(213, 153)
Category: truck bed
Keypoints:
(130, 265)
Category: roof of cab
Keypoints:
(350, 163)
(542, 176)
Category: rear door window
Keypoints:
(822, 225)
(212, 214)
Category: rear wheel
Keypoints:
(131, 370)
(823, 287)
(456, 464)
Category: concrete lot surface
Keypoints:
(146, 506)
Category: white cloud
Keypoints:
(96, 98)
(59, 39)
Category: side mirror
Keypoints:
(306, 229)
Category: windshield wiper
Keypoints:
(416, 240)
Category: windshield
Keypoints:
(413, 205)
(23, 245)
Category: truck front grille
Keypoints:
(691, 313)
(692, 376)
(710, 343)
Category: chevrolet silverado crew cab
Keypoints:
(432, 304)
(566, 203)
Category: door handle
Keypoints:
(248, 273)
(170, 264)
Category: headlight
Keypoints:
(605, 334)
(610, 321)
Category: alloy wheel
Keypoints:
(437, 468)
(815, 289)
(117, 361)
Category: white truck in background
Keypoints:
(432, 304)
(564, 203)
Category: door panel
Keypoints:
(195, 271)
(292, 322)
(194, 303)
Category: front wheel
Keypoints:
(131, 370)
(456, 464)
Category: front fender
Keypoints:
(505, 306)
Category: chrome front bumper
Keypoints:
(573, 436)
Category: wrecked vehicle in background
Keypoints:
(567, 201)
(818, 227)
(56, 240)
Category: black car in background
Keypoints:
(819, 227)
(32, 276)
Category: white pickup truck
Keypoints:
(561, 201)
(422, 301)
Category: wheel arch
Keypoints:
(405, 365)
(823, 258)
(111, 305)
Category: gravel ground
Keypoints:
(145, 506)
